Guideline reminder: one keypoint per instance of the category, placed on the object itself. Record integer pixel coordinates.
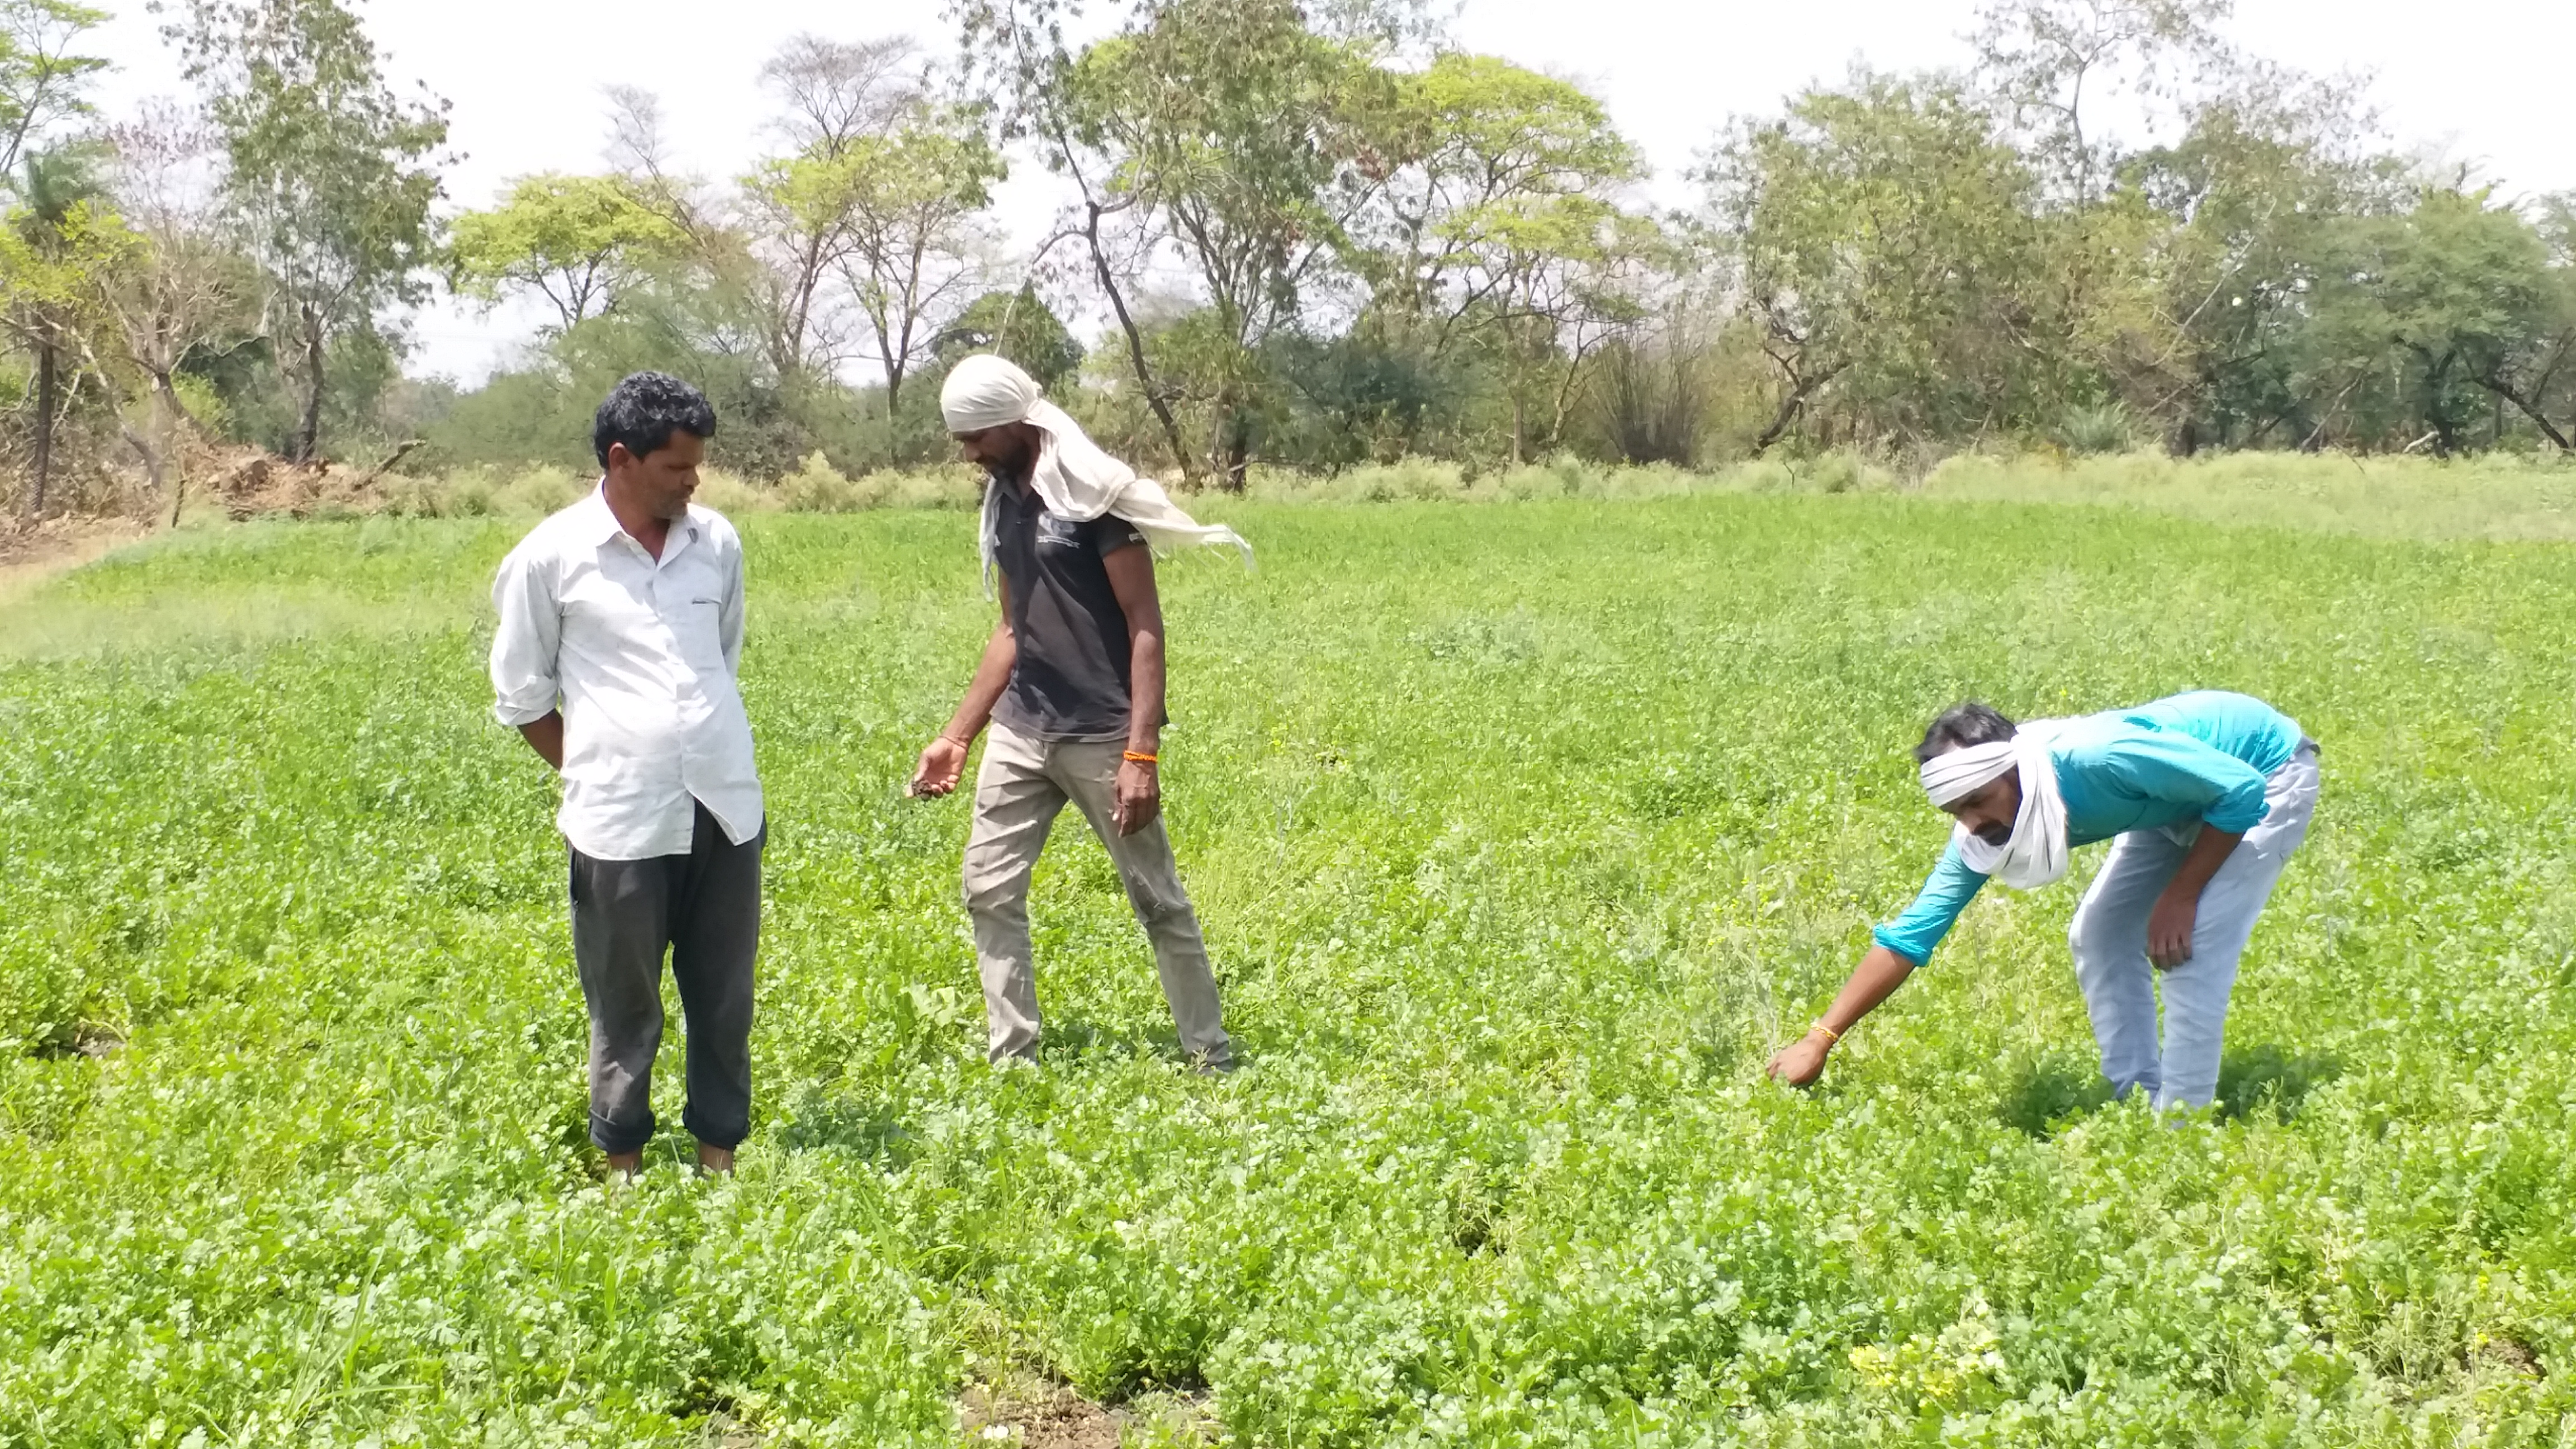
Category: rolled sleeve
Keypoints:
(525, 646)
(1946, 892)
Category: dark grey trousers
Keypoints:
(704, 908)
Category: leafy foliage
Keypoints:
(1521, 832)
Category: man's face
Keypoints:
(1989, 811)
(661, 480)
(1004, 449)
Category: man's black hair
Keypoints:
(1962, 725)
(645, 410)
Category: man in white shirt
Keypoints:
(621, 632)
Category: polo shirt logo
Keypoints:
(1061, 532)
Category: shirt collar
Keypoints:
(599, 522)
(600, 525)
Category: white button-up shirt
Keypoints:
(640, 655)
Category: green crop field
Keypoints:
(1521, 831)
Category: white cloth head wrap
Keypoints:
(2036, 854)
(1073, 477)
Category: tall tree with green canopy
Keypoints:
(41, 78)
(59, 239)
(913, 196)
(1472, 149)
(838, 100)
(2247, 196)
(2460, 289)
(1496, 221)
(2051, 63)
(1880, 236)
(1232, 126)
(1017, 325)
(2537, 373)
(330, 175)
(573, 240)
(45, 282)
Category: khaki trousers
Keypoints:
(1023, 785)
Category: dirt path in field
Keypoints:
(29, 556)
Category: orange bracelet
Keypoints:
(1832, 1037)
(1134, 758)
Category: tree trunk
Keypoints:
(46, 402)
(894, 390)
(1135, 344)
(2548, 429)
(1238, 451)
(310, 431)
(179, 414)
(1800, 389)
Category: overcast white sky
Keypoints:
(2481, 81)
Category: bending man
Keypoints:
(1072, 684)
(2208, 794)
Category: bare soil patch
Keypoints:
(31, 554)
(1036, 1416)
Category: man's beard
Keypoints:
(1997, 835)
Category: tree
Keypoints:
(2462, 290)
(839, 97)
(1498, 221)
(185, 291)
(40, 77)
(574, 240)
(912, 199)
(1882, 240)
(1472, 148)
(60, 238)
(1232, 126)
(1018, 326)
(2046, 60)
(1015, 50)
(330, 175)
(2537, 372)
(2246, 199)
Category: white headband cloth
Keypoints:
(2036, 853)
(1962, 772)
(1075, 479)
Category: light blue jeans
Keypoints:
(2110, 941)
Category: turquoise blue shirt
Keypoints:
(2194, 757)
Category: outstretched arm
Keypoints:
(1872, 981)
(1901, 945)
(943, 761)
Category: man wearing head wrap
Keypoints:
(1072, 684)
(2207, 794)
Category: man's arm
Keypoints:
(545, 736)
(1131, 580)
(730, 612)
(2176, 911)
(1900, 946)
(524, 650)
(943, 761)
(1876, 978)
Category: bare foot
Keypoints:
(714, 1160)
(623, 1166)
